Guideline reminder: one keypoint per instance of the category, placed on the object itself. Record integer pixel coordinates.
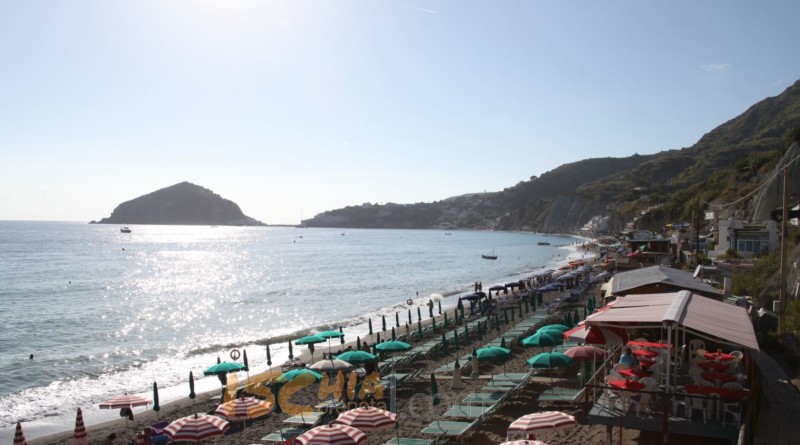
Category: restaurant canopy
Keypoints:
(702, 315)
(665, 279)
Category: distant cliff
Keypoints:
(180, 204)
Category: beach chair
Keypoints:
(408, 441)
(444, 428)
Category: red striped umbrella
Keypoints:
(196, 428)
(19, 438)
(335, 434)
(367, 418)
(124, 401)
(80, 430)
(542, 422)
(244, 408)
(585, 353)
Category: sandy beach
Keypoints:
(413, 401)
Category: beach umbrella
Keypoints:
(540, 298)
(542, 423)
(475, 364)
(503, 342)
(460, 307)
(533, 302)
(367, 419)
(356, 357)
(330, 365)
(455, 338)
(419, 314)
(291, 354)
(419, 328)
(124, 401)
(505, 315)
(434, 391)
(586, 353)
(195, 428)
(557, 327)
(585, 311)
(568, 320)
(370, 327)
(409, 316)
(444, 344)
(335, 434)
(512, 315)
(19, 438)
(408, 330)
(439, 304)
(575, 317)
(549, 360)
(397, 319)
(455, 383)
(244, 408)
(192, 395)
(496, 323)
(341, 337)
(467, 340)
(542, 340)
(244, 360)
(304, 373)
(493, 353)
(310, 340)
(393, 346)
(269, 358)
(383, 322)
(156, 406)
(377, 337)
(430, 309)
(394, 336)
(79, 435)
(527, 308)
(445, 320)
(433, 323)
(223, 368)
(479, 332)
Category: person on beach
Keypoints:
(365, 346)
(110, 439)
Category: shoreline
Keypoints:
(177, 404)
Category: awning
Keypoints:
(726, 322)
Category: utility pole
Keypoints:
(784, 248)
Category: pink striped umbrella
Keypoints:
(585, 353)
(542, 422)
(368, 418)
(196, 428)
(523, 442)
(80, 430)
(19, 438)
(335, 434)
(244, 408)
(124, 401)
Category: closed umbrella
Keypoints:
(419, 314)
(341, 337)
(503, 342)
(156, 406)
(397, 319)
(479, 332)
(575, 317)
(335, 434)
(383, 322)
(269, 358)
(434, 391)
(370, 326)
(568, 320)
(79, 435)
(456, 383)
(455, 339)
(192, 395)
(291, 354)
(433, 323)
(195, 428)
(542, 423)
(505, 315)
(419, 328)
(445, 320)
(445, 350)
(439, 304)
(394, 335)
(467, 340)
(19, 438)
(409, 316)
(496, 323)
(244, 360)
(367, 419)
(474, 365)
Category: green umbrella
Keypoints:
(502, 342)
(244, 359)
(430, 310)
(558, 327)
(409, 316)
(496, 323)
(550, 331)
(568, 319)
(156, 406)
(505, 315)
(533, 303)
(291, 354)
(540, 298)
(356, 357)
(383, 322)
(309, 340)
(269, 358)
(493, 353)
(393, 334)
(455, 338)
(358, 341)
(393, 346)
(433, 323)
(519, 307)
(445, 320)
(512, 314)
(575, 317)
(527, 308)
(295, 373)
(439, 304)
(434, 391)
(466, 335)
(397, 319)
(479, 332)
(585, 312)
(224, 368)
(542, 339)
(192, 395)
(419, 328)
(341, 338)
(461, 308)
(549, 360)
(444, 344)
(419, 314)
(378, 337)
(370, 326)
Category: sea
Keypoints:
(106, 313)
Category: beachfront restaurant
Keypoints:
(694, 376)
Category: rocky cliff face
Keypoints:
(180, 204)
(771, 196)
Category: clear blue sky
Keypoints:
(290, 107)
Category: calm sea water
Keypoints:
(106, 313)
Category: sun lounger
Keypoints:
(513, 376)
(484, 398)
(407, 441)
(448, 428)
(500, 386)
(283, 435)
(309, 418)
(470, 411)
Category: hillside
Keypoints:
(180, 204)
(563, 199)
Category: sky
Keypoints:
(293, 107)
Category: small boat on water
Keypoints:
(125, 230)
(489, 257)
(543, 243)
